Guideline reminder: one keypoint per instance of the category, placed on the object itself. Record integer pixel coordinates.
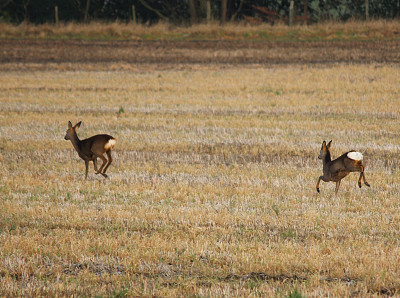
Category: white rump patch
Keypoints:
(110, 144)
(355, 155)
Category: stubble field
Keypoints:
(212, 188)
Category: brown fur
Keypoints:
(336, 170)
(92, 148)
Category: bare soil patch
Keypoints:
(71, 54)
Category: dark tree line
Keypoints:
(187, 12)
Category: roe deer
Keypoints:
(92, 148)
(336, 170)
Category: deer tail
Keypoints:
(110, 144)
(355, 155)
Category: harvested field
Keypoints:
(212, 188)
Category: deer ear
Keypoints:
(78, 124)
(69, 124)
(330, 143)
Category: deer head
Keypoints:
(71, 131)
(324, 149)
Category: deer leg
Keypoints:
(100, 171)
(359, 179)
(95, 165)
(319, 179)
(87, 167)
(362, 175)
(101, 156)
(109, 161)
(337, 186)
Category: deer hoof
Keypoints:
(318, 190)
(359, 185)
(367, 184)
(105, 175)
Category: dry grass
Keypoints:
(212, 191)
(352, 30)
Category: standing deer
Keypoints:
(336, 170)
(92, 148)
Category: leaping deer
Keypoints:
(336, 170)
(92, 148)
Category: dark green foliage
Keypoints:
(177, 11)
(121, 111)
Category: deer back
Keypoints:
(96, 143)
(339, 164)
(349, 161)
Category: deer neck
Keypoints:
(76, 142)
(326, 160)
